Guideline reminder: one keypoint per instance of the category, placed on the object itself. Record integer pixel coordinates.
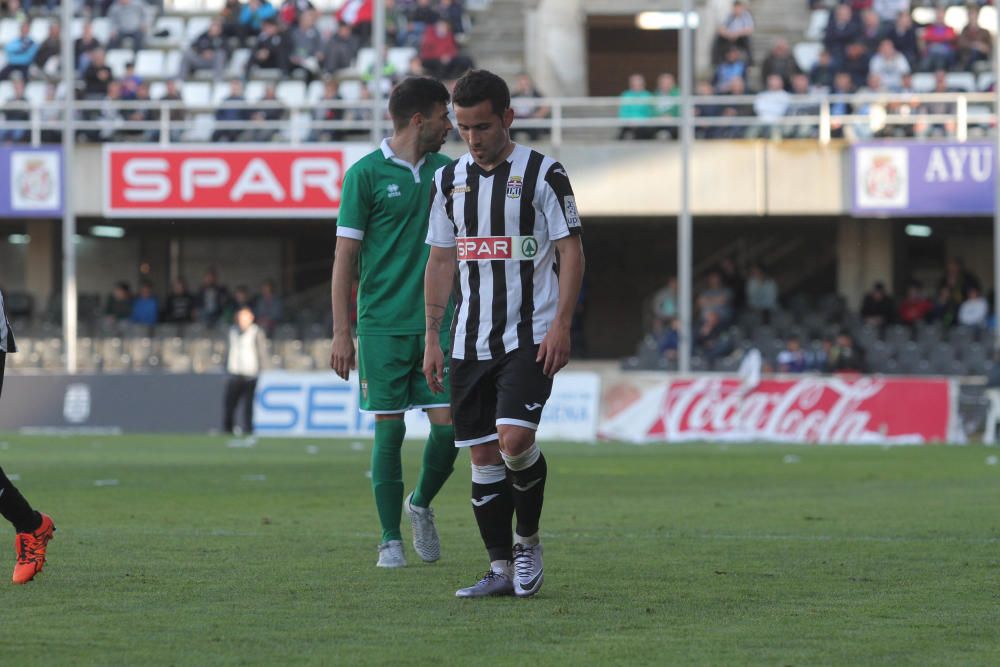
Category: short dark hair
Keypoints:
(479, 85)
(416, 94)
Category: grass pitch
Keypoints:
(186, 551)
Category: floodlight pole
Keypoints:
(996, 188)
(684, 231)
(378, 44)
(69, 315)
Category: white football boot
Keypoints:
(425, 535)
(528, 571)
(390, 554)
(494, 582)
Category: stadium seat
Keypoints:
(315, 92)
(202, 127)
(6, 91)
(39, 30)
(35, 92)
(237, 66)
(400, 57)
(197, 94)
(961, 81)
(172, 64)
(254, 90)
(350, 90)
(149, 64)
(196, 25)
(365, 60)
(3, 59)
(984, 81)
(9, 30)
(102, 29)
(292, 93)
(173, 26)
(157, 89)
(806, 54)
(818, 20)
(117, 59)
(923, 82)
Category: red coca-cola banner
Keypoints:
(856, 410)
(226, 180)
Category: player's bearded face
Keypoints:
(435, 128)
(484, 132)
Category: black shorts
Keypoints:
(511, 389)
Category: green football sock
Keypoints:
(439, 460)
(387, 475)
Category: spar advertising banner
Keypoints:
(923, 178)
(234, 181)
(323, 405)
(31, 182)
(822, 410)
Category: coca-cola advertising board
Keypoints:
(233, 181)
(813, 409)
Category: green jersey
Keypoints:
(385, 204)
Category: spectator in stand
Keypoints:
(207, 52)
(865, 129)
(84, 46)
(667, 106)
(805, 104)
(975, 44)
(49, 49)
(840, 31)
(424, 14)
(710, 339)
(871, 34)
(780, 61)
(232, 27)
(358, 15)
(20, 53)
(212, 299)
(272, 51)
(904, 37)
(717, 299)
(130, 21)
(890, 65)
(974, 311)
(664, 305)
(292, 10)
(877, 308)
(177, 114)
(16, 11)
(734, 32)
(141, 114)
(823, 72)
(340, 49)
(260, 121)
(889, 10)
(130, 82)
(734, 67)
(15, 110)
(945, 309)
(51, 112)
(793, 359)
(108, 116)
(241, 299)
(96, 77)
(326, 114)
(451, 11)
(846, 356)
(268, 308)
(360, 114)
(855, 63)
(527, 107)
(307, 46)
(734, 279)
(842, 85)
(705, 110)
(440, 54)
(771, 105)
(118, 307)
(637, 104)
(959, 280)
(145, 308)
(411, 34)
(916, 306)
(252, 17)
(231, 114)
(761, 291)
(668, 340)
(179, 307)
(938, 107)
(736, 88)
(395, 23)
(939, 44)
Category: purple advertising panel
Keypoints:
(31, 183)
(896, 178)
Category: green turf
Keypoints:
(204, 554)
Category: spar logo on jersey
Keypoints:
(503, 248)
(572, 213)
(514, 187)
(393, 191)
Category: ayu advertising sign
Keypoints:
(31, 180)
(923, 178)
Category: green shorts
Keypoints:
(391, 374)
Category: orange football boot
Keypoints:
(30, 549)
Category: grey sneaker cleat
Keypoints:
(425, 535)
(390, 554)
(528, 571)
(492, 583)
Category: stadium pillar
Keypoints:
(378, 44)
(684, 232)
(996, 191)
(69, 317)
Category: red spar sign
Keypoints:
(251, 181)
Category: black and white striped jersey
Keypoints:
(503, 223)
(6, 334)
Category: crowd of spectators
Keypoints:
(867, 47)
(277, 42)
(725, 297)
(211, 304)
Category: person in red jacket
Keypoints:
(915, 307)
(440, 53)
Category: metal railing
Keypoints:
(812, 117)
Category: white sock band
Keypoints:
(524, 460)
(490, 474)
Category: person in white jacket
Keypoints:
(246, 359)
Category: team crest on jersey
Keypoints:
(364, 389)
(572, 214)
(514, 187)
(461, 189)
(393, 191)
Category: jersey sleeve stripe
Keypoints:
(350, 232)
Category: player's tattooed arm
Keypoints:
(435, 316)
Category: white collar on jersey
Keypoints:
(391, 155)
